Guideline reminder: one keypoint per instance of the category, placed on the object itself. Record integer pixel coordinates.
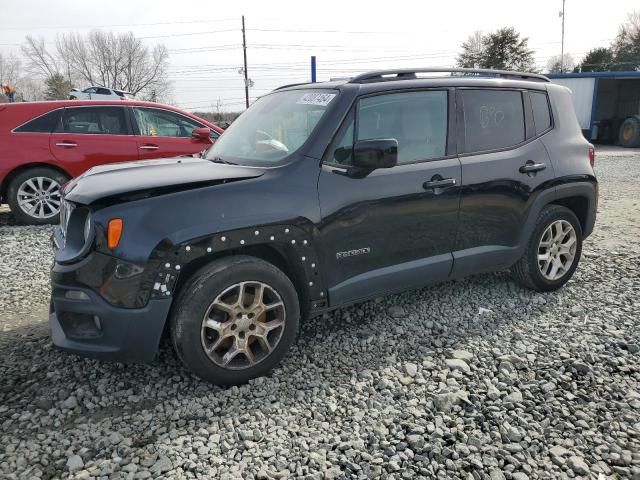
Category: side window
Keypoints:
(90, 90)
(417, 120)
(155, 122)
(46, 123)
(95, 120)
(541, 113)
(103, 91)
(492, 119)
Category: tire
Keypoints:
(629, 132)
(216, 284)
(528, 272)
(31, 181)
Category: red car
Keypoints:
(44, 144)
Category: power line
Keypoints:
(154, 24)
(195, 50)
(288, 30)
(211, 32)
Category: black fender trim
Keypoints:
(295, 242)
(568, 187)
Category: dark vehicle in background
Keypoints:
(223, 124)
(44, 144)
(319, 196)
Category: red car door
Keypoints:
(93, 135)
(164, 133)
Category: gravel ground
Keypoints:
(473, 379)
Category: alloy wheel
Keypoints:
(557, 250)
(243, 325)
(39, 197)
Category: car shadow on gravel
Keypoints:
(6, 217)
(339, 345)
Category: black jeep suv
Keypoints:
(319, 196)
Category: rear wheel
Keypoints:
(35, 195)
(629, 134)
(553, 251)
(235, 320)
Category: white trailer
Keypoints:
(607, 105)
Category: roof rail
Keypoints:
(410, 73)
(290, 85)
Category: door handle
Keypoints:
(149, 147)
(438, 182)
(66, 144)
(532, 167)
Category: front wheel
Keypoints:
(235, 319)
(553, 251)
(35, 195)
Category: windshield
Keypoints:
(273, 128)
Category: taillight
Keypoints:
(592, 156)
(114, 232)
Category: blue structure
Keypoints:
(313, 69)
(602, 100)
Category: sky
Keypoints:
(204, 38)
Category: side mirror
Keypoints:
(377, 153)
(202, 133)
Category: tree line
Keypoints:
(114, 60)
(124, 62)
(506, 49)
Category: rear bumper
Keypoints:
(88, 325)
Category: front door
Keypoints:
(92, 135)
(163, 133)
(504, 165)
(393, 228)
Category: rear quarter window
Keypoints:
(493, 119)
(541, 113)
(46, 123)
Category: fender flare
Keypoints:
(585, 187)
(168, 261)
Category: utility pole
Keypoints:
(246, 75)
(313, 69)
(562, 41)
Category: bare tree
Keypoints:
(41, 63)
(473, 49)
(30, 89)
(556, 65)
(626, 46)
(119, 61)
(9, 69)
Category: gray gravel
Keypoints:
(473, 379)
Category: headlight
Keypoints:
(88, 228)
(79, 236)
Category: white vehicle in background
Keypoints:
(99, 93)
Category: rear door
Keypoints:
(164, 133)
(93, 135)
(504, 166)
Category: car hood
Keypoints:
(140, 179)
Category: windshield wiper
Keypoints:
(220, 160)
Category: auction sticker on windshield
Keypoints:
(321, 99)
